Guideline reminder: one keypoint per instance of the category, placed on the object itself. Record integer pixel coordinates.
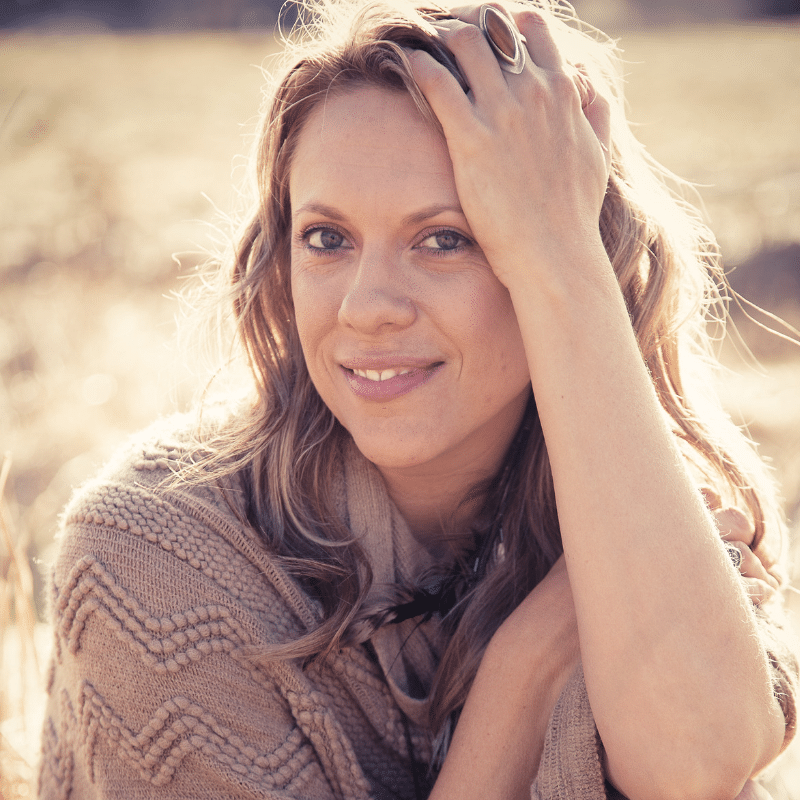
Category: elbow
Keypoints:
(711, 783)
(705, 768)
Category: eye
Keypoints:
(325, 239)
(445, 240)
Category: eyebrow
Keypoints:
(319, 208)
(432, 211)
(412, 219)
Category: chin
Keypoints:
(392, 455)
(395, 449)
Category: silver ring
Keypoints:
(505, 40)
(736, 555)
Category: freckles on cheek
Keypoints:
(316, 318)
(304, 297)
(304, 322)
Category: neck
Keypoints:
(439, 510)
(438, 498)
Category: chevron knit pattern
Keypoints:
(161, 600)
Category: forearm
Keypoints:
(498, 742)
(662, 619)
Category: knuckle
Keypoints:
(585, 89)
(563, 87)
(601, 102)
(750, 565)
(465, 37)
(538, 93)
(529, 17)
(738, 545)
(437, 80)
(734, 523)
(536, 88)
(601, 114)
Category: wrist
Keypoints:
(538, 644)
(500, 735)
(559, 273)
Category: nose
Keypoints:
(378, 296)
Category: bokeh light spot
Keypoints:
(99, 388)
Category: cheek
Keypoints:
(314, 306)
(495, 331)
(308, 330)
(316, 317)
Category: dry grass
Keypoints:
(21, 640)
(106, 149)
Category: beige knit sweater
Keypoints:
(161, 598)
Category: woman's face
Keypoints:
(409, 338)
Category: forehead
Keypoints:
(371, 137)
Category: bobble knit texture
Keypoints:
(161, 599)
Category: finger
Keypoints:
(583, 84)
(472, 13)
(452, 107)
(758, 591)
(734, 524)
(758, 583)
(712, 498)
(600, 119)
(750, 565)
(475, 58)
(597, 111)
(541, 45)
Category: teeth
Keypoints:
(375, 375)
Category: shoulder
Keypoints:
(152, 459)
(139, 528)
(164, 601)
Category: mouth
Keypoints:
(381, 375)
(389, 382)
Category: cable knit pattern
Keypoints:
(162, 600)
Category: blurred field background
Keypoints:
(118, 150)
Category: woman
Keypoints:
(467, 538)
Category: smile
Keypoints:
(389, 383)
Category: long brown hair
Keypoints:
(285, 444)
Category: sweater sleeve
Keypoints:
(152, 694)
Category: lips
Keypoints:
(383, 382)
